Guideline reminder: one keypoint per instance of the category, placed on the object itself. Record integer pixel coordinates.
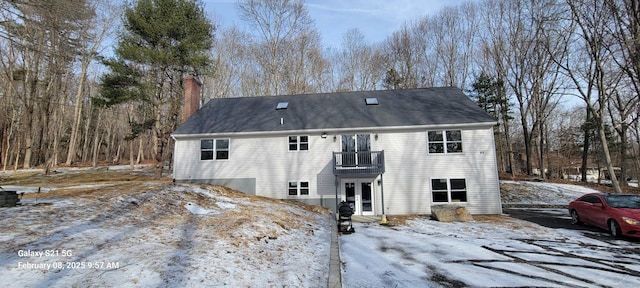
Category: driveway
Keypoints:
(559, 219)
(494, 251)
(552, 218)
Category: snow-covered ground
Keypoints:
(162, 235)
(156, 234)
(544, 193)
(493, 251)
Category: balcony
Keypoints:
(358, 163)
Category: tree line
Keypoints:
(559, 76)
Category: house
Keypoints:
(385, 152)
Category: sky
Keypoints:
(376, 19)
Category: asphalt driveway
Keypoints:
(559, 219)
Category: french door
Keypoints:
(359, 195)
(356, 149)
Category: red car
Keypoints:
(617, 213)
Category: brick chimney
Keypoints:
(192, 89)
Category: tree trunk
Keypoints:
(77, 116)
(96, 141)
(140, 157)
(131, 158)
(623, 154)
(28, 141)
(585, 148)
(15, 167)
(85, 139)
(527, 144)
(607, 157)
(541, 150)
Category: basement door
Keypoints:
(359, 194)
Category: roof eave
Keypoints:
(336, 130)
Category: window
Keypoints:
(449, 190)
(304, 142)
(454, 141)
(304, 188)
(438, 140)
(293, 143)
(208, 149)
(371, 101)
(293, 188)
(298, 143)
(222, 149)
(296, 188)
(458, 190)
(591, 199)
(439, 190)
(282, 105)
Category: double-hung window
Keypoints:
(444, 141)
(293, 188)
(449, 190)
(206, 149)
(214, 149)
(298, 188)
(298, 143)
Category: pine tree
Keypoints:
(163, 41)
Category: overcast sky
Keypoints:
(376, 19)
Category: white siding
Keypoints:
(406, 181)
(409, 169)
(267, 159)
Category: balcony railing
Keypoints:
(358, 163)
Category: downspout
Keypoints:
(336, 183)
(337, 187)
(383, 220)
(175, 158)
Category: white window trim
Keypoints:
(299, 188)
(445, 141)
(298, 143)
(215, 149)
(449, 189)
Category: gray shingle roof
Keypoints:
(408, 107)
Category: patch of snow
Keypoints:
(25, 189)
(151, 236)
(183, 235)
(525, 192)
(226, 205)
(197, 210)
(507, 252)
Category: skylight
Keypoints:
(282, 105)
(371, 101)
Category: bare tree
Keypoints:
(230, 55)
(529, 69)
(277, 24)
(588, 69)
(43, 39)
(94, 31)
(626, 39)
(304, 64)
(356, 62)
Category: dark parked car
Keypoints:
(617, 213)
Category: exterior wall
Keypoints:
(267, 161)
(410, 168)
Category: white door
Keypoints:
(359, 194)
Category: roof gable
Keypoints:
(407, 107)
